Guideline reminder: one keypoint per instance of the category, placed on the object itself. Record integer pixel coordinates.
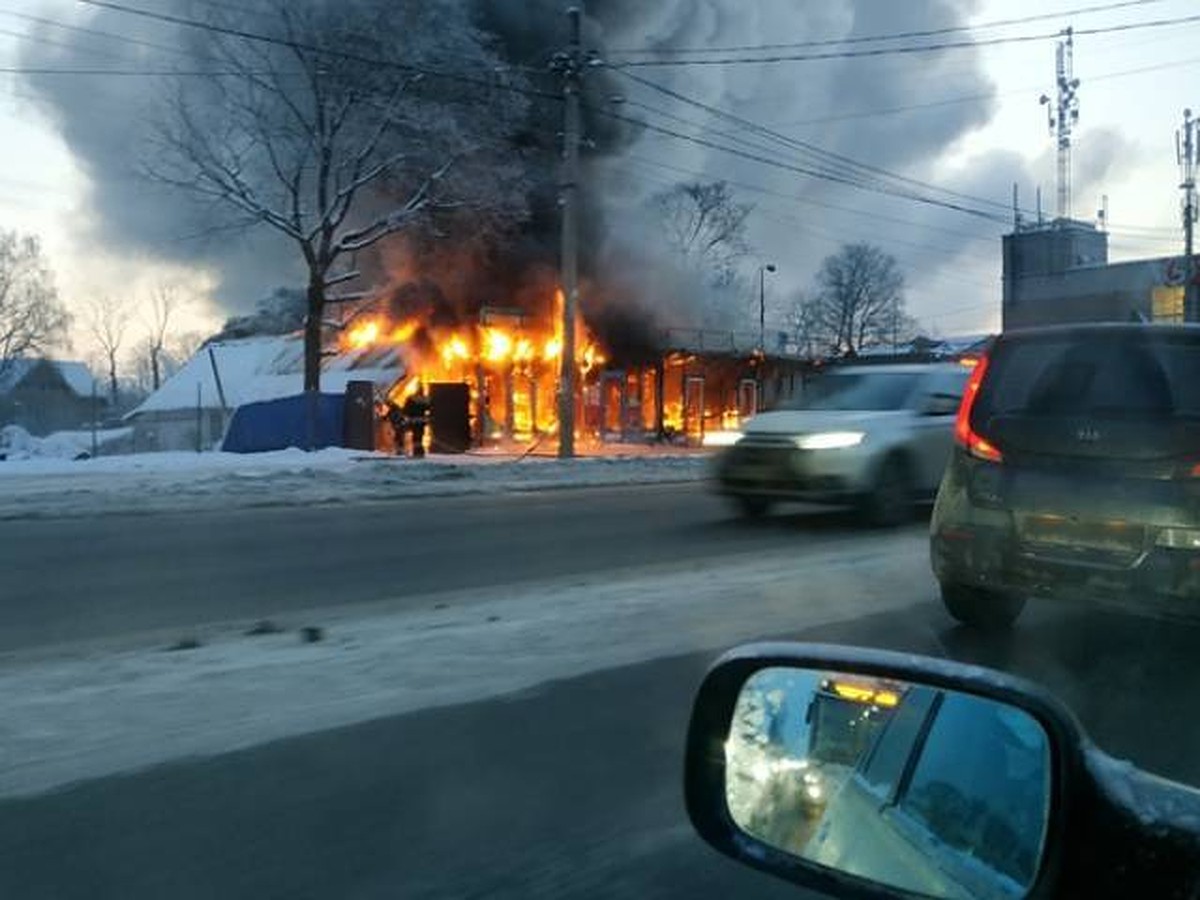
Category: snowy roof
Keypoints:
(75, 374)
(265, 368)
(950, 346)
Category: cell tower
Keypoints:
(1063, 115)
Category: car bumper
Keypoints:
(1155, 579)
(788, 473)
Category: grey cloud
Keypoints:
(101, 122)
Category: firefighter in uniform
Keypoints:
(395, 418)
(416, 412)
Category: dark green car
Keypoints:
(1075, 473)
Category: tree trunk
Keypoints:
(312, 333)
(112, 379)
(155, 375)
(312, 354)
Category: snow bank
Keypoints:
(67, 719)
(153, 482)
(18, 445)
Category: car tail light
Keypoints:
(966, 436)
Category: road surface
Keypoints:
(120, 574)
(569, 788)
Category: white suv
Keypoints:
(876, 436)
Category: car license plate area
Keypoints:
(1110, 542)
(761, 466)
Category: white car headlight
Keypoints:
(830, 440)
(721, 438)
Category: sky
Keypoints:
(1134, 87)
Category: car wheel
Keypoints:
(982, 608)
(753, 507)
(890, 501)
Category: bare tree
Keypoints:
(177, 349)
(860, 299)
(32, 319)
(354, 122)
(164, 302)
(705, 226)
(108, 320)
(804, 326)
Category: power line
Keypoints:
(96, 32)
(893, 51)
(891, 36)
(807, 201)
(846, 163)
(319, 51)
(838, 236)
(735, 137)
(800, 170)
(124, 73)
(970, 98)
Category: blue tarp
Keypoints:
(283, 423)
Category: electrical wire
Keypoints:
(854, 168)
(895, 51)
(891, 36)
(800, 170)
(319, 51)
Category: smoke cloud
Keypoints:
(840, 105)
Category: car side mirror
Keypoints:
(940, 404)
(863, 773)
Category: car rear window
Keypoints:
(1105, 375)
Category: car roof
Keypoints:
(898, 368)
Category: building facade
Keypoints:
(1058, 273)
(44, 396)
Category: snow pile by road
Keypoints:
(154, 482)
(18, 445)
(67, 719)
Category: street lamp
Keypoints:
(762, 305)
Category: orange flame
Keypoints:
(363, 335)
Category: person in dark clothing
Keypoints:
(416, 411)
(395, 417)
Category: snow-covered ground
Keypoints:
(18, 445)
(88, 713)
(48, 486)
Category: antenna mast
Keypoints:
(1062, 116)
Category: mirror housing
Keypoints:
(1112, 831)
(712, 718)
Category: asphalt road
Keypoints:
(567, 791)
(70, 579)
(570, 789)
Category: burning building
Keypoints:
(634, 383)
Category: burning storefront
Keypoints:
(634, 385)
(507, 357)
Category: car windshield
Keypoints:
(390, 431)
(859, 391)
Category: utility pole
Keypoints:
(569, 64)
(1185, 153)
(1063, 115)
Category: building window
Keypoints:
(1167, 303)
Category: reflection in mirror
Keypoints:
(931, 791)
